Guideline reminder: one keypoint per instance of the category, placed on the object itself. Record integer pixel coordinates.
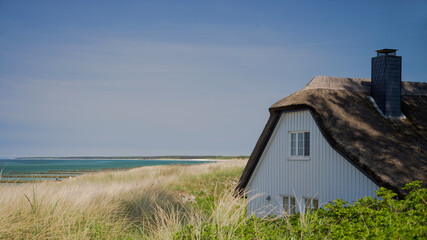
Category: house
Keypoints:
(339, 138)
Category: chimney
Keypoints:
(386, 77)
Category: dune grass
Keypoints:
(141, 203)
(191, 202)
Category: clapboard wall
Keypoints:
(327, 175)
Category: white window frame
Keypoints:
(298, 156)
(289, 204)
(310, 203)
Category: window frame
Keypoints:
(297, 141)
(289, 206)
(314, 203)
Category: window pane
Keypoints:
(307, 136)
(307, 144)
(300, 149)
(292, 205)
(286, 204)
(300, 144)
(292, 210)
(307, 203)
(293, 144)
(307, 151)
(315, 203)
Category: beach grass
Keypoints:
(141, 203)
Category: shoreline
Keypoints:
(137, 159)
(199, 159)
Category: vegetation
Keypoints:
(190, 202)
(367, 218)
(141, 203)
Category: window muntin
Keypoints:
(289, 204)
(300, 144)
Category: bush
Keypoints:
(368, 218)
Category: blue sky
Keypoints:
(180, 77)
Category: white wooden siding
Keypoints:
(327, 175)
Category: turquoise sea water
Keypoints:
(45, 165)
(30, 170)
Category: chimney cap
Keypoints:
(386, 52)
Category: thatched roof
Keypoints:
(391, 152)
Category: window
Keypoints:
(289, 204)
(300, 144)
(311, 203)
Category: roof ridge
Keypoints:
(361, 85)
(338, 83)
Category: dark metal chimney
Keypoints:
(386, 77)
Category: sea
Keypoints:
(34, 170)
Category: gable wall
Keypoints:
(326, 176)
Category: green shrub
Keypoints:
(368, 218)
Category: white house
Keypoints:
(339, 138)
